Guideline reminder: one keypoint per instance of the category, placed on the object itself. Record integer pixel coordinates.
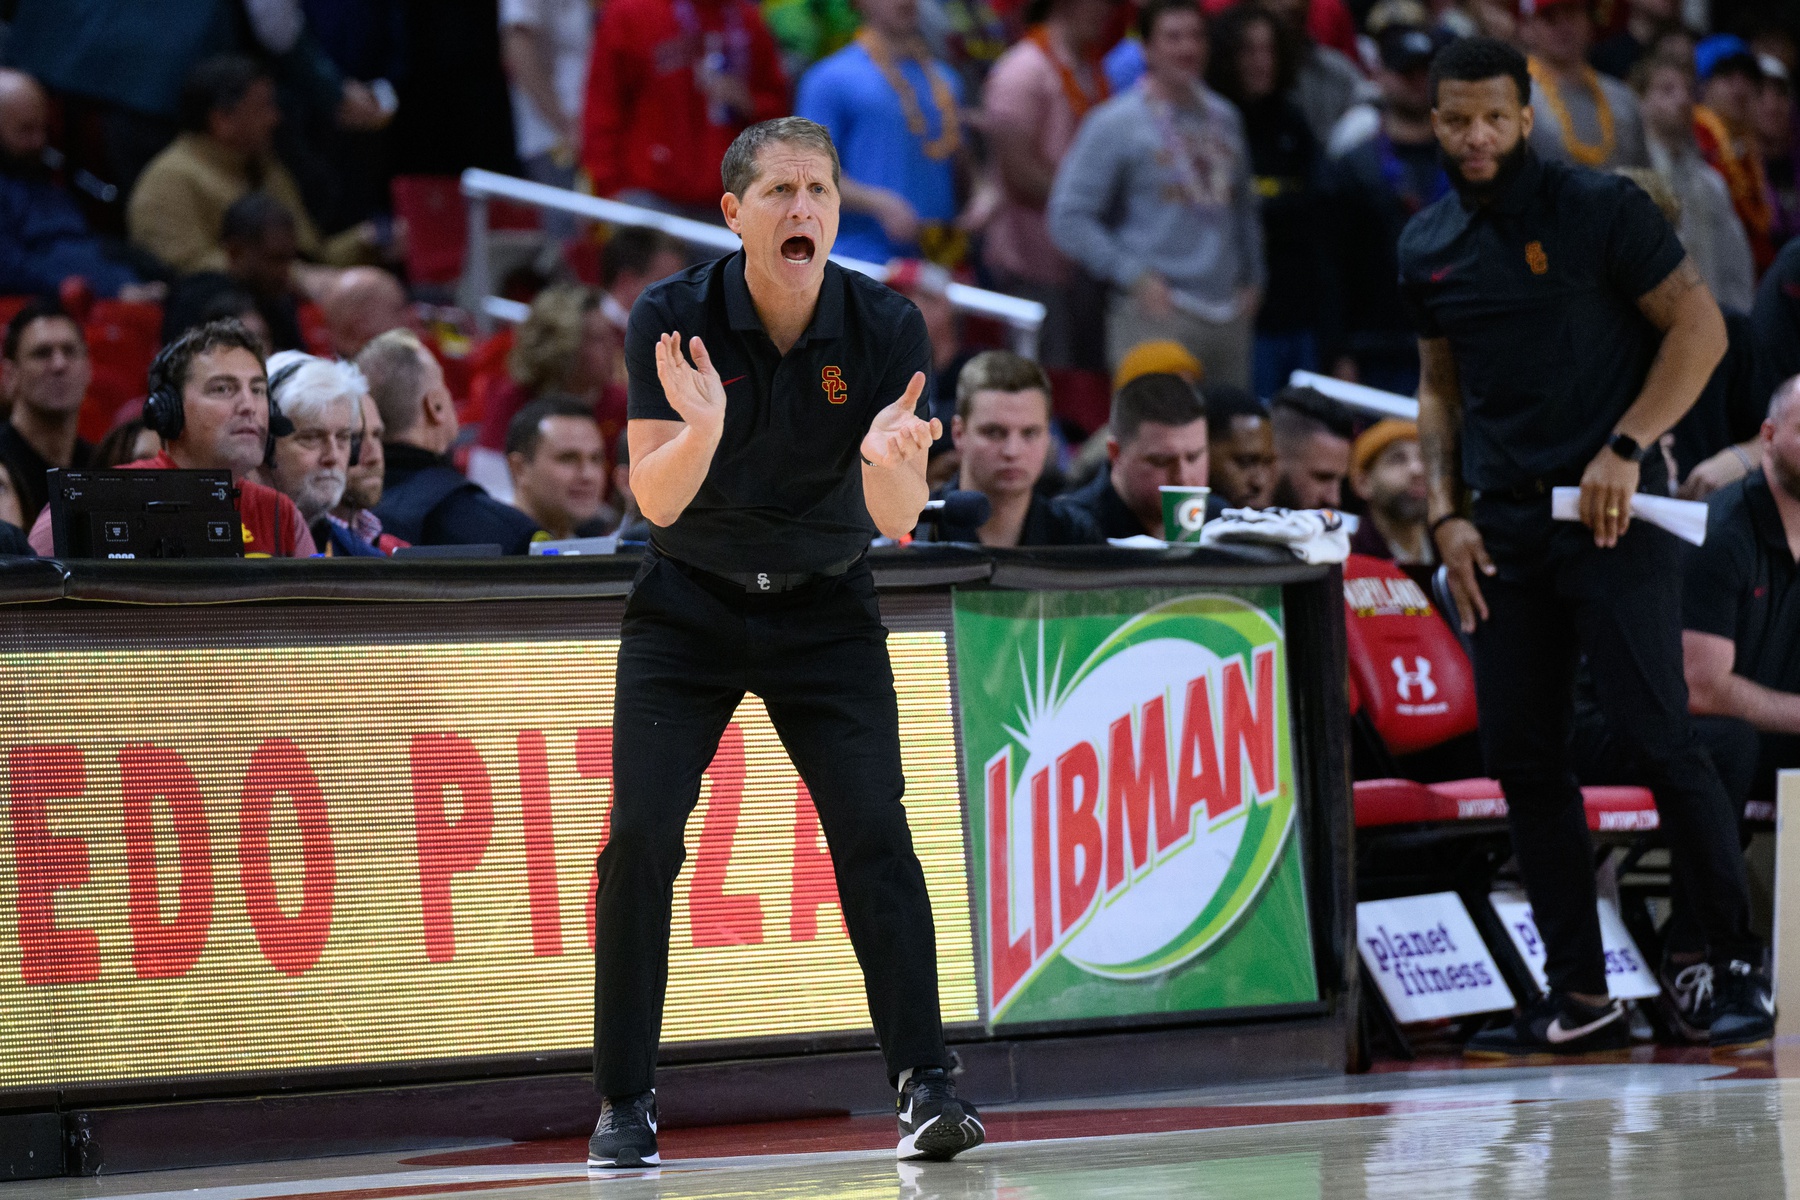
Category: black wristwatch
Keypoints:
(1627, 448)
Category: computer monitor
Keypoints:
(144, 514)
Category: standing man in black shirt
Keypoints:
(44, 377)
(1562, 332)
(765, 468)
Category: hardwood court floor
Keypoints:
(1665, 1125)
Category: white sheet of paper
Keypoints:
(1686, 519)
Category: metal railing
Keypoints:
(1023, 317)
(1355, 395)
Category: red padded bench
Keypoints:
(1402, 802)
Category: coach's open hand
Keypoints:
(696, 394)
(897, 434)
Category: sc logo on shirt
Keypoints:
(832, 380)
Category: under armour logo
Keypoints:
(1420, 677)
(762, 581)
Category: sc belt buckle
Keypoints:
(772, 581)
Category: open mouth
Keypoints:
(797, 249)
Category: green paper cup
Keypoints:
(1184, 512)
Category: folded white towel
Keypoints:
(1686, 519)
(1315, 535)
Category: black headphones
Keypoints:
(165, 414)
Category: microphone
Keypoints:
(959, 508)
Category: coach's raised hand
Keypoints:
(669, 459)
(894, 452)
(897, 433)
(693, 391)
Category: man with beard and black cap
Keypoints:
(1562, 331)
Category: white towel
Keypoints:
(1686, 519)
(1315, 535)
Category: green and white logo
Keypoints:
(1135, 794)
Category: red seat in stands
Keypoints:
(1414, 683)
(437, 224)
(123, 338)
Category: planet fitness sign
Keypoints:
(1129, 770)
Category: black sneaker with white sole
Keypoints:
(1688, 999)
(1555, 1024)
(934, 1124)
(1744, 1007)
(626, 1134)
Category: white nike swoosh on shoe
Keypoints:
(909, 1145)
(1556, 1035)
(647, 1160)
(907, 1115)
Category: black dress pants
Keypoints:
(692, 645)
(1558, 597)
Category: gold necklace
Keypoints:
(1586, 153)
(949, 138)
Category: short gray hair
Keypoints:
(396, 376)
(740, 168)
(304, 386)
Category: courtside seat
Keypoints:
(1382, 802)
(1612, 809)
(1414, 686)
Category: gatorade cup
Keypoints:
(1184, 512)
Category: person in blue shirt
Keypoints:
(44, 239)
(892, 111)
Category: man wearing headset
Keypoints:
(209, 402)
(311, 466)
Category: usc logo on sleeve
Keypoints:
(832, 380)
(1536, 259)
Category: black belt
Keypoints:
(1519, 493)
(767, 582)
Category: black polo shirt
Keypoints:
(30, 470)
(1050, 521)
(1101, 502)
(1741, 584)
(784, 492)
(1537, 294)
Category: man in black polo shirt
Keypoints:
(765, 469)
(1562, 332)
(1741, 612)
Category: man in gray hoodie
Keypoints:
(1156, 197)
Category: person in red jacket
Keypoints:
(671, 83)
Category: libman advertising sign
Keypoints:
(1129, 767)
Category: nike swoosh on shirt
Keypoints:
(732, 380)
(1556, 1035)
(1440, 275)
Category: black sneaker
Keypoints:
(934, 1124)
(626, 1134)
(1744, 1010)
(1687, 998)
(1555, 1024)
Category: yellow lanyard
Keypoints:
(1586, 153)
(949, 138)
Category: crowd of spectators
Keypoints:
(1204, 196)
